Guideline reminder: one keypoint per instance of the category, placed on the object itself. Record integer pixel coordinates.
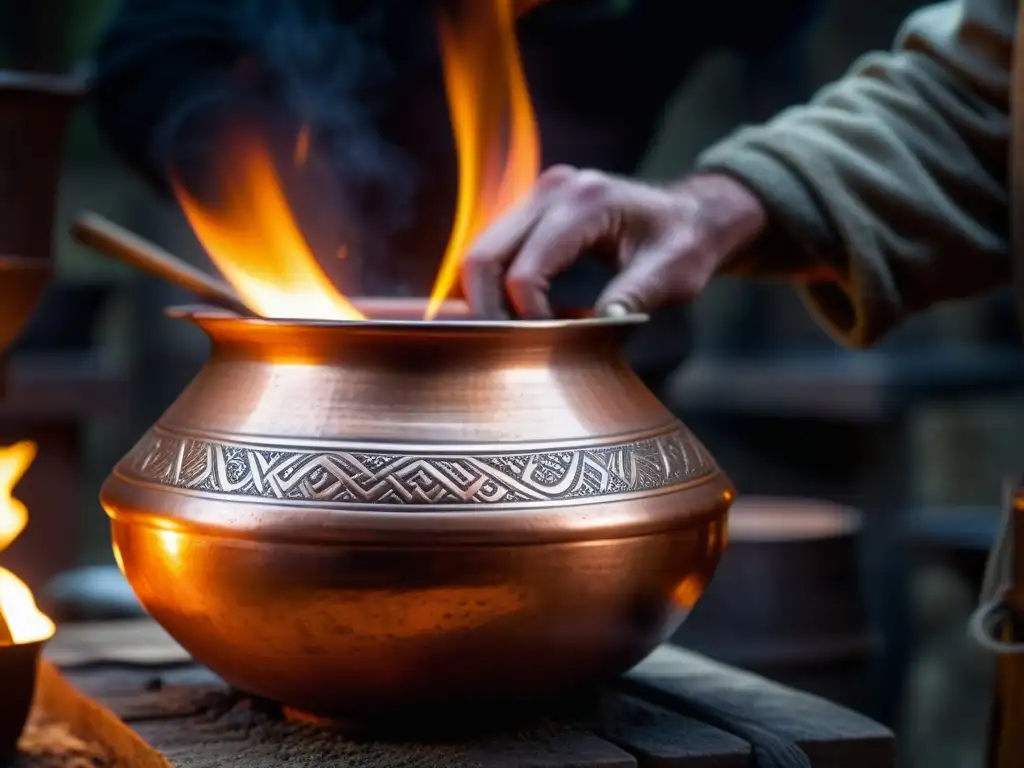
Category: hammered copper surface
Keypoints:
(360, 518)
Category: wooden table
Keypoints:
(188, 717)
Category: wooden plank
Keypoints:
(61, 712)
(195, 743)
(656, 737)
(663, 739)
(139, 642)
(828, 734)
(195, 721)
(660, 738)
(570, 749)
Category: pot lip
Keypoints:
(458, 320)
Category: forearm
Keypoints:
(888, 192)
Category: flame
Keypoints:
(254, 240)
(493, 122)
(20, 620)
(257, 245)
(688, 591)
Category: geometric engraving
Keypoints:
(341, 477)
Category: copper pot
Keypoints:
(356, 519)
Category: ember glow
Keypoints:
(20, 620)
(254, 241)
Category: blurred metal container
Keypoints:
(786, 600)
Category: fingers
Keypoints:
(557, 239)
(519, 255)
(488, 259)
(483, 268)
(615, 309)
(664, 257)
(668, 271)
(638, 288)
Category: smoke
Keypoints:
(332, 67)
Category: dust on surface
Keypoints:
(234, 730)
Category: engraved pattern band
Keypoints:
(339, 476)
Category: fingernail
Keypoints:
(616, 309)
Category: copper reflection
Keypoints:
(362, 518)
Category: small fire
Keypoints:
(256, 244)
(20, 620)
(253, 238)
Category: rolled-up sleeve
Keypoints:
(888, 192)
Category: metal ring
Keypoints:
(984, 624)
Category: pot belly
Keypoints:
(356, 629)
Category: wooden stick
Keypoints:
(91, 721)
(115, 241)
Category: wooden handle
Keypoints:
(117, 242)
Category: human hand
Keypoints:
(668, 241)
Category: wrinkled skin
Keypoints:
(667, 241)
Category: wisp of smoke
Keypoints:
(331, 67)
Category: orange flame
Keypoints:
(20, 620)
(257, 245)
(493, 121)
(254, 240)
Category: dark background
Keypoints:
(912, 453)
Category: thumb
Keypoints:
(660, 277)
(637, 288)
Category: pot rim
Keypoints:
(408, 317)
